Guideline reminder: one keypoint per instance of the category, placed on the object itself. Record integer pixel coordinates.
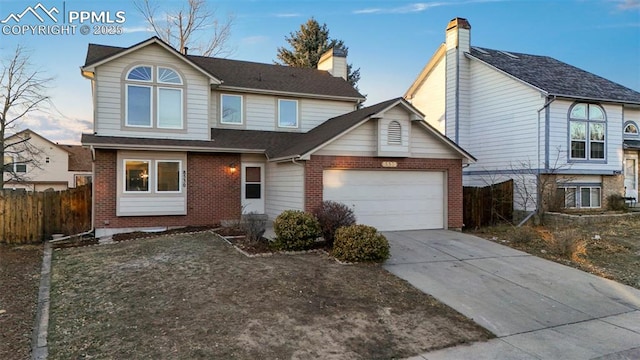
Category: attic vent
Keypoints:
(509, 54)
(480, 50)
(394, 133)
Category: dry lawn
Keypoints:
(610, 250)
(20, 268)
(193, 296)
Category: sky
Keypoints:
(390, 41)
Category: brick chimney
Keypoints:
(458, 42)
(335, 62)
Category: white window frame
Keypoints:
(280, 114)
(630, 134)
(181, 108)
(591, 188)
(124, 176)
(156, 177)
(137, 66)
(165, 82)
(222, 109)
(126, 109)
(588, 123)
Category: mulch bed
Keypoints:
(20, 268)
(146, 234)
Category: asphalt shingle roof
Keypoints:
(79, 157)
(252, 75)
(556, 77)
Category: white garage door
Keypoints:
(390, 200)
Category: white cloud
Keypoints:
(628, 4)
(422, 6)
(135, 29)
(288, 15)
(253, 40)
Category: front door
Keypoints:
(631, 176)
(252, 188)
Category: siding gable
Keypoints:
(110, 97)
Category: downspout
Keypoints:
(538, 165)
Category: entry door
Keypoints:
(631, 175)
(252, 188)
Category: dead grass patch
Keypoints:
(20, 268)
(195, 297)
(610, 250)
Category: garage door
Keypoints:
(390, 200)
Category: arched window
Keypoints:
(587, 132)
(394, 133)
(154, 97)
(630, 128)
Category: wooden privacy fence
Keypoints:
(488, 205)
(29, 217)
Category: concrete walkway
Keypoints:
(538, 309)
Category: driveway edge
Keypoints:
(39, 348)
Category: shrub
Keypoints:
(360, 243)
(296, 230)
(332, 215)
(569, 244)
(523, 235)
(254, 226)
(616, 202)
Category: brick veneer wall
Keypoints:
(213, 193)
(453, 167)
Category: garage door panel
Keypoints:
(389, 200)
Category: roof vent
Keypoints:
(481, 51)
(509, 54)
(394, 133)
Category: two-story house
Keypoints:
(35, 163)
(189, 140)
(534, 119)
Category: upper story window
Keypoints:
(13, 164)
(587, 129)
(394, 133)
(630, 129)
(287, 113)
(147, 86)
(231, 109)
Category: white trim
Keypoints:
(124, 176)
(181, 126)
(241, 109)
(289, 93)
(126, 106)
(168, 83)
(297, 125)
(157, 176)
(126, 77)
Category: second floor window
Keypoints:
(587, 129)
(231, 109)
(154, 98)
(287, 113)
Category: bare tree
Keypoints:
(187, 26)
(22, 91)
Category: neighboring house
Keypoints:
(37, 164)
(189, 140)
(525, 115)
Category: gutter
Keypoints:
(545, 107)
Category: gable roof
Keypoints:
(555, 77)
(244, 75)
(435, 59)
(79, 157)
(29, 132)
(275, 145)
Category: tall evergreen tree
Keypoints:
(308, 44)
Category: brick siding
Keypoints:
(453, 168)
(213, 193)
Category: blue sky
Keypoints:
(390, 41)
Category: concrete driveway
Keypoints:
(538, 309)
